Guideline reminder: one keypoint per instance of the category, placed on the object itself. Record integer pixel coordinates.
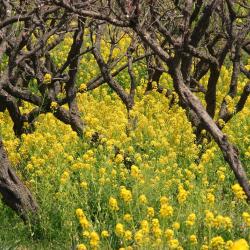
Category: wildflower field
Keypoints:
(141, 184)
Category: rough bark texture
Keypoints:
(14, 193)
(75, 118)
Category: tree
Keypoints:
(183, 35)
(195, 42)
(29, 73)
(186, 39)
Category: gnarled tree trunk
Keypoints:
(14, 193)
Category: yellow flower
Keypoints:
(182, 195)
(227, 222)
(86, 234)
(193, 239)
(129, 248)
(94, 239)
(150, 211)
(81, 247)
(54, 106)
(84, 184)
(169, 233)
(145, 226)
(246, 218)
(135, 171)
(164, 200)
(191, 219)
(84, 222)
(79, 213)
(82, 87)
(119, 229)
(105, 234)
(173, 244)
(113, 173)
(47, 78)
(240, 245)
(221, 123)
(217, 243)
(154, 85)
(204, 247)
(209, 218)
(127, 217)
(157, 232)
(228, 99)
(239, 192)
(128, 235)
(64, 177)
(139, 237)
(155, 222)
(176, 225)
(119, 158)
(143, 199)
(125, 194)
(113, 204)
(229, 244)
(210, 198)
(203, 131)
(166, 210)
(26, 125)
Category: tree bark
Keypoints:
(230, 152)
(14, 193)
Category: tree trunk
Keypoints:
(14, 193)
(230, 152)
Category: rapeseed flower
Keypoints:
(240, 245)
